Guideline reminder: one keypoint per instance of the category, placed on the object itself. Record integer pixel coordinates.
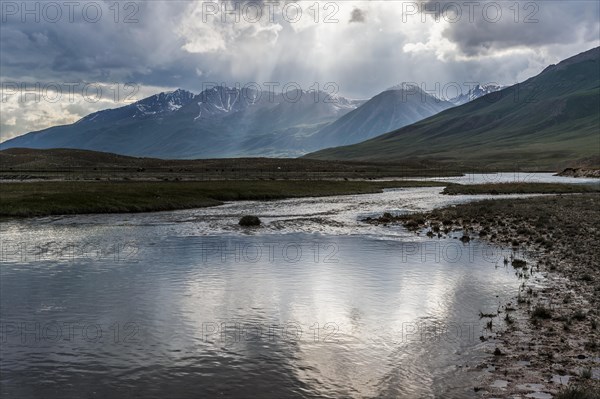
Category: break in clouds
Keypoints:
(363, 47)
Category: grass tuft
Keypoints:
(575, 392)
(541, 312)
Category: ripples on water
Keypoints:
(188, 304)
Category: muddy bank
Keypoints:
(580, 172)
(520, 188)
(546, 339)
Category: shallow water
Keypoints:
(514, 177)
(325, 215)
(467, 178)
(187, 304)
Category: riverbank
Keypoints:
(580, 172)
(548, 337)
(79, 197)
(44, 198)
(520, 188)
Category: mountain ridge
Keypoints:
(393, 108)
(218, 122)
(549, 120)
(226, 121)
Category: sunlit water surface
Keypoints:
(184, 304)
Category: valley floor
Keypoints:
(79, 197)
(61, 197)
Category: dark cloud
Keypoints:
(151, 51)
(487, 27)
(80, 49)
(357, 15)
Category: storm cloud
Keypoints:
(357, 15)
(362, 47)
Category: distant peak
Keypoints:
(179, 92)
(475, 92)
(404, 86)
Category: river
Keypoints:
(315, 303)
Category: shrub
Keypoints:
(591, 346)
(411, 225)
(577, 393)
(586, 374)
(579, 315)
(541, 312)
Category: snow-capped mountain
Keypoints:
(475, 93)
(157, 104)
(165, 102)
(231, 121)
(396, 107)
(406, 86)
(219, 122)
(504, 129)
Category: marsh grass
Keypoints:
(579, 315)
(519, 188)
(541, 312)
(586, 373)
(578, 392)
(77, 197)
(591, 346)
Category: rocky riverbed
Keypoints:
(544, 343)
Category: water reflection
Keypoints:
(309, 316)
(515, 177)
(187, 304)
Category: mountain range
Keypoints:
(232, 122)
(547, 121)
(219, 122)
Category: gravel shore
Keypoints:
(546, 342)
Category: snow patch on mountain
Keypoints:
(475, 93)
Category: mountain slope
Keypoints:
(219, 122)
(385, 112)
(545, 122)
(475, 93)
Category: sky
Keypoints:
(61, 60)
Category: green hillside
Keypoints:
(547, 122)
